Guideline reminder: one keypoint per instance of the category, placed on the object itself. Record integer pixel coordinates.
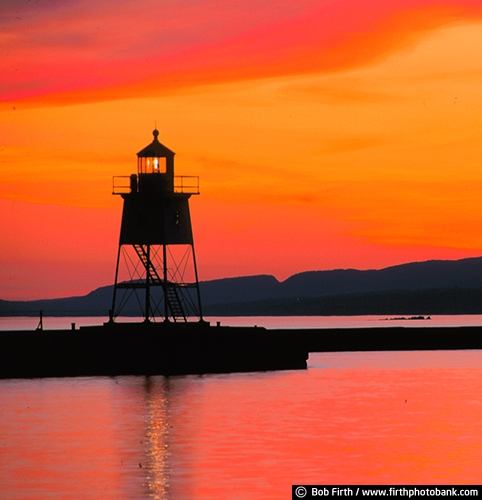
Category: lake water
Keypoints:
(351, 418)
(30, 323)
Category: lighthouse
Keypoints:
(156, 271)
(155, 277)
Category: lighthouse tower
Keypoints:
(156, 268)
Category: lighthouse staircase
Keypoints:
(172, 295)
(174, 303)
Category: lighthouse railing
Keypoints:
(121, 184)
(188, 184)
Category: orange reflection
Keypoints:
(351, 418)
(59, 438)
(157, 443)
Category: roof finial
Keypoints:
(155, 132)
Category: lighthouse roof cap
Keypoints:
(155, 149)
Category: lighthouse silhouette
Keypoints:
(156, 271)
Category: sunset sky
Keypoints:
(326, 133)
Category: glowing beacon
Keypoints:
(156, 265)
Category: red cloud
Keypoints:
(66, 52)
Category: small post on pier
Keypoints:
(40, 325)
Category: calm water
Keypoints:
(376, 418)
(19, 323)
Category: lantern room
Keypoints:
(155, 158)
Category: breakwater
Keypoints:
(147, 349)
(390, 338)
(197, 348)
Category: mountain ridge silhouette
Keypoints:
(449, 285)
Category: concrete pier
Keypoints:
(198, 348)
(147, 349)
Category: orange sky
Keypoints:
(326, 134)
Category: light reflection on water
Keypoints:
(351, 418)
(156, 435)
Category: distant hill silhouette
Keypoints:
(431, 287)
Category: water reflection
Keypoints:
(351, 418)
(157, 437)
